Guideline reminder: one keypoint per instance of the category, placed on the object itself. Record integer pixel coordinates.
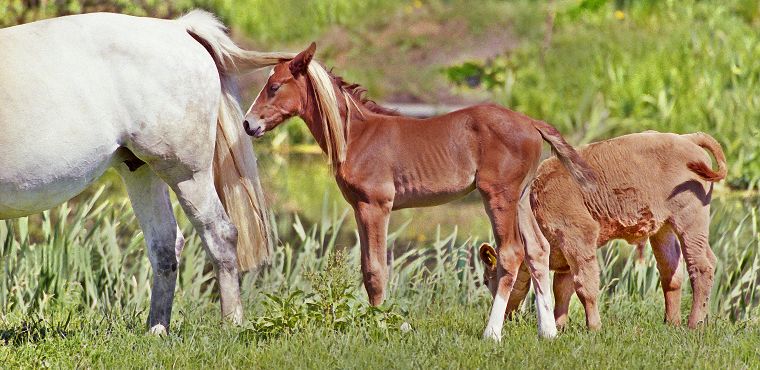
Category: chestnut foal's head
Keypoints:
(283, 96)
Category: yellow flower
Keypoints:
(417, 4)
(619, 15)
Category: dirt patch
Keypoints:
(402, 60)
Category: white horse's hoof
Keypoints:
(491, 334)
(236, 317)
(406, 327)
(158, 330)
(548, 333)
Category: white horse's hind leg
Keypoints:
(151, 204)
(202, 206)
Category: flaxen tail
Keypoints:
(235, 171)
(704, 170)
(578, 168)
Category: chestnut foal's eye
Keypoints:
(274, 87)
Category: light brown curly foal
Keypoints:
(651, 185)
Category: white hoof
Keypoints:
(236, 317)
(548, 332)
(158, 330)
(406, 327)
(491, 334)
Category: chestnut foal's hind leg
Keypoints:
(502, 210)
(537, 258)
(667, 252)
(372, 222)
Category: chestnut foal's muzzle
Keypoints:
(254, 127)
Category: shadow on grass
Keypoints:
(33, 331)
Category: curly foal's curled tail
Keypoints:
(703, 169)
(578, 168)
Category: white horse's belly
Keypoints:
(46, 180)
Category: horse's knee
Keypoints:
(162, 254)
(222, 249)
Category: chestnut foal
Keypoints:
(383, 162)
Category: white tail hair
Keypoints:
(235, 171)
(229, 56)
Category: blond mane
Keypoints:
(324, 91)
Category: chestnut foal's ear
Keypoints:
(488, 255)
(300, 64)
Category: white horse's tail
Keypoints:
(235, 172)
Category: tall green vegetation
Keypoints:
(88, 257)
(618, 67)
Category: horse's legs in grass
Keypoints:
(579, 248)
(150, 201)
(667, 252)
(519, 290)
(202, 206)
(503, 214)
(537, 258)
(563, 291)
(700, 263)
(372, 222)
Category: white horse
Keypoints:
(156, 100)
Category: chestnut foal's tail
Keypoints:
(703, 169)
(578, 168)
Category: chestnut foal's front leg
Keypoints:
(372, 221)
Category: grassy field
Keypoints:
(75, 281)
(72, 296)
(443, 335)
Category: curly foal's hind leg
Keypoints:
(667, 252)
(700, 263)
(519, 290)
(150, 201)
(579, 248)
(563, 291)
(372, 221)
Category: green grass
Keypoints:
(671, 66)
(444, 335)
(75, 281)
(70, 297)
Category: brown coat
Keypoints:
(651, 185)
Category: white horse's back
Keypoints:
(75, 89)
